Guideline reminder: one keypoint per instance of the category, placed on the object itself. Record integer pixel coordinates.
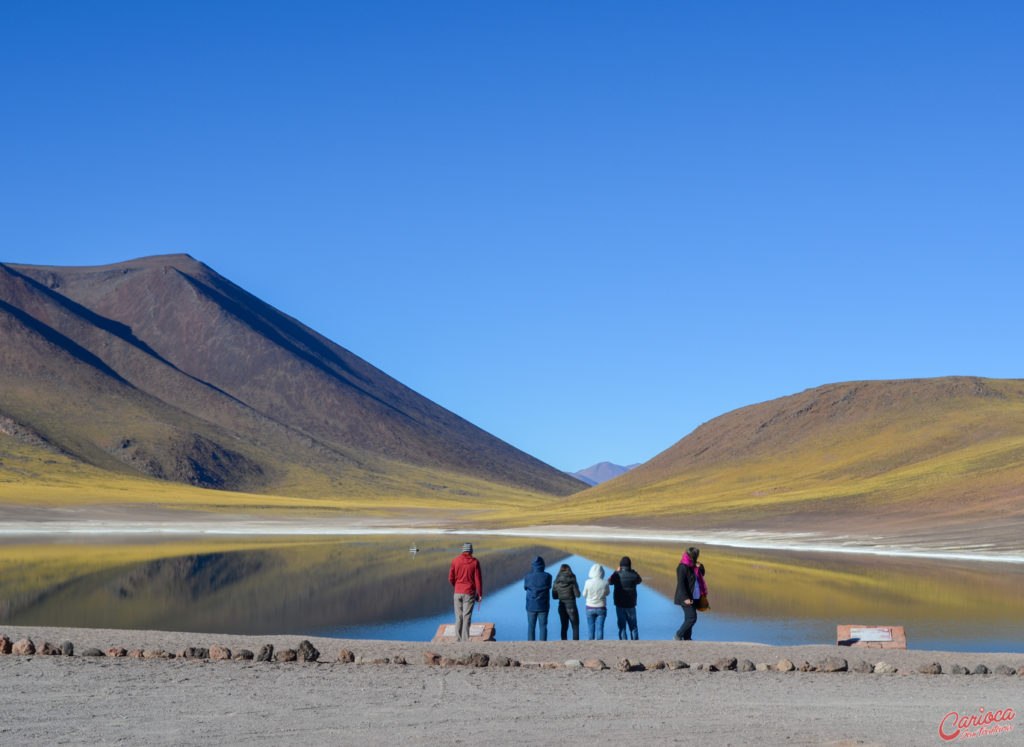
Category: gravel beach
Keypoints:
(101, 700)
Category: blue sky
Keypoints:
(587, 227)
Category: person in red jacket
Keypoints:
(465, 577)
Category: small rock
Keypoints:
(933, 668)
(266, 652)
(785, 665)
(677, 664)
(1006, 669)
(727, 664)
(136, 653)
(595, 664)
(156, 653)
(833, 664)
(447, 661)
(959, 669)
(380, 660)
(93, 652)
(429, 657)
(117, 652)
(981, 669)
(24, 646)
(884, 667)
(745, 665)
(307, 652)
(286, 654)
(243, 654)
(806, 667)
(49, 649)
(220, 653)
(863, 667)
(1020, 672)
(573, 664)
(500, 661)
(762, 667)
(67, 648)
(400, 660)
(347, 657)
(659, 664)
(5, 644)
(195, 652)
(624, 665)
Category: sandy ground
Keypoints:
(80, 700)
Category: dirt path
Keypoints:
(53, 699)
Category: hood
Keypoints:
(538, 563)
(625, 562)
(596, 571)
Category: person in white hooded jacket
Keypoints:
(595, 591)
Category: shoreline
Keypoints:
(80, 699)
(30, 524)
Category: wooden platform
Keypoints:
(477, 632)
(871, 636)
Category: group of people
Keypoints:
(691, 594)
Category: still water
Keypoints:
(373, 587)
(657, 618)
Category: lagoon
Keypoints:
(373, 587)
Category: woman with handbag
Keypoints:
(691, 591)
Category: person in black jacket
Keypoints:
(689, 588)
(566, 590)
(624, 581)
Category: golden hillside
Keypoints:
(913, 454)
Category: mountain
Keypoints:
(925, 454)
(602, 472)
(161, 367)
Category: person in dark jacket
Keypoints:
(624, 582)
(566, 590)
(690, 587)
(537, 584)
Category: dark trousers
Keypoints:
(626, 618)
(535, 620)
(567, 613)
(689, 620)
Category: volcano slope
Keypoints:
(159, 368)
(942, 457)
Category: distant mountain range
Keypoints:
(161, 367)
(602, 472)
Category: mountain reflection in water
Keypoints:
(375, 588)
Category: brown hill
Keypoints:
(161, 366)
(943, 452)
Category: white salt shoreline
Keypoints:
(221, 525)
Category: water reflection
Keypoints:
(376, 588)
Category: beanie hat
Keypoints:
(467, 547)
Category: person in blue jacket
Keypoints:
(538, 599)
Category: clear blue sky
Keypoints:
(586, 227)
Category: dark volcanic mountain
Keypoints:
(161, 366)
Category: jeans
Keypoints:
(567, 613)
(463, 615)
(626, 617)
(595, 622)
(689, 620)
(532, 618)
